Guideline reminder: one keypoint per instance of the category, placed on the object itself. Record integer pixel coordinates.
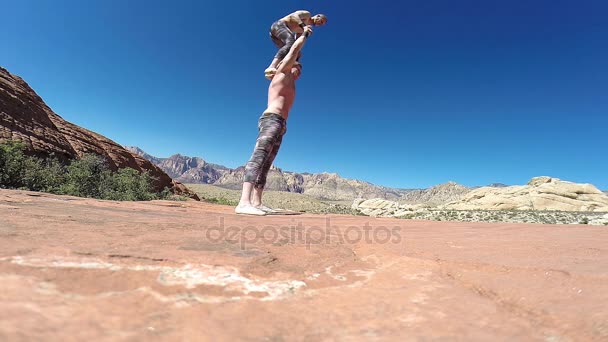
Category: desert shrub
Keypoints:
(19, 171)
(12, 161)
(86, 177)
(46, 175)
(127, 185)
(221, 200)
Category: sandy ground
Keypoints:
(76, 269)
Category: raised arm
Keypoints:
(293, 53)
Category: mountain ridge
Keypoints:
(324, 185)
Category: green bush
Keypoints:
(128, 185)
(221, 200)
(12, 160)
(43, 175)
(86, 177)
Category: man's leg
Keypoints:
(282, 37)
(256, 197)
(271, 129)
(246, 194)
(277, 42)
(260, 183)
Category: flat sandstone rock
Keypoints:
(83, 269)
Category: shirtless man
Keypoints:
(284, 31)
(272, 127)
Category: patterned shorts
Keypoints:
(272, 127)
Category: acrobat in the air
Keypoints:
(286, 30)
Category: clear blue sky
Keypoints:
(404, 94)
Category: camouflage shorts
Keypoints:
(272, 127)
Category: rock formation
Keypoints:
(185, 169)
(139, 152)
(439, 194)
(541, 193)
(277, 180)
(326, 186)
(414, 200)
(378, 207)
(24, 116)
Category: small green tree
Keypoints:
(84, 177)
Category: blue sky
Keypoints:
(404, 94)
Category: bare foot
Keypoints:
(270, 72)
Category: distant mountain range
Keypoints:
(193, 170)
(326, 186)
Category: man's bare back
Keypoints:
(295, 19)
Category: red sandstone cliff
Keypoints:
(24, 116)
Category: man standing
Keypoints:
(272, 126)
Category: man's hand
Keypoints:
(307, 31)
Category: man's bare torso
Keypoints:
(292, 22)
(281, 94)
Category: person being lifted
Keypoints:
(285, 31)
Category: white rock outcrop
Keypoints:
(378, 207)
(541, 193)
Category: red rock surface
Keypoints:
(83, 269)
(24, 116)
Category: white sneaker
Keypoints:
(266, 209)
(249, 210)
